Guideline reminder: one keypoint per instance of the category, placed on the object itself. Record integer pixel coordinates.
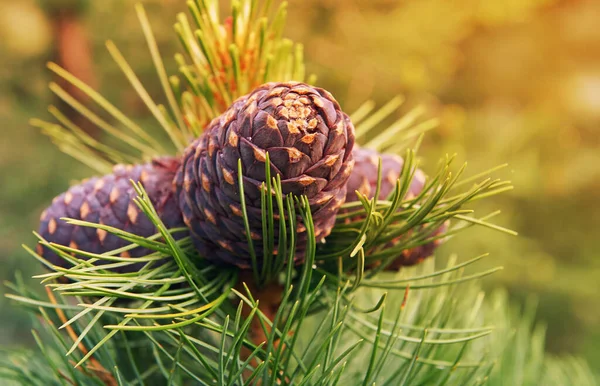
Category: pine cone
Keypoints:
(364, 180)
(309, 141)
(108, 200)
(365, 173)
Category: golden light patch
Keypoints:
(392, 176)
(125, 254)
(294, 155)
(236, 210)
(187, 183)
(304, 100)
(187, 218)
(284, 112)
(313, 123)
(225, 245)
(205, 182)
(144, 175)
(324, 198)
(332, 159)
(318, 102)
(308, 138)
(73, 245)
(233, 138)
(294, 113)
(276, 91)
(68, 198)
(290, 96)
(251, 108)
(52, 226)
(228, 176)
(99, 184)
(255, 236)
(39, 249)
(276, 101)
(43, 215)
(114, 195)
(211, 148)
(348, 169)
(210, 216)
(101, 234)
(132, 213)
(84, 210)
(198, 151)
(419, 177)
(228, 117)
(288, 103)
(259, 155)
(303, 113)
(306, 180)
(365, 187)
(302, 90)
(271, 122)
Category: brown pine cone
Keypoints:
(108, 200)
(309, 141)
(364, 180)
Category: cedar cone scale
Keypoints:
(364, 180)
(309, 141)
(108, 200)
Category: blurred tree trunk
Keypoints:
(74, 54)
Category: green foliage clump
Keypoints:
(341, 319)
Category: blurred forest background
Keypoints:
(514, 81)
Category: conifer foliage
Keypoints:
(266, 249)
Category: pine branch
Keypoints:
(440, 325)
(228, 59)
(337, 318)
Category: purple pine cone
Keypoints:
(108, 200)
(309, 141)
(364, 176)
(364, 180)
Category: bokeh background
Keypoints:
(514, 81)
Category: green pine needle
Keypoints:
(179, 319)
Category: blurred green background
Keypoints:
(514, 81)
